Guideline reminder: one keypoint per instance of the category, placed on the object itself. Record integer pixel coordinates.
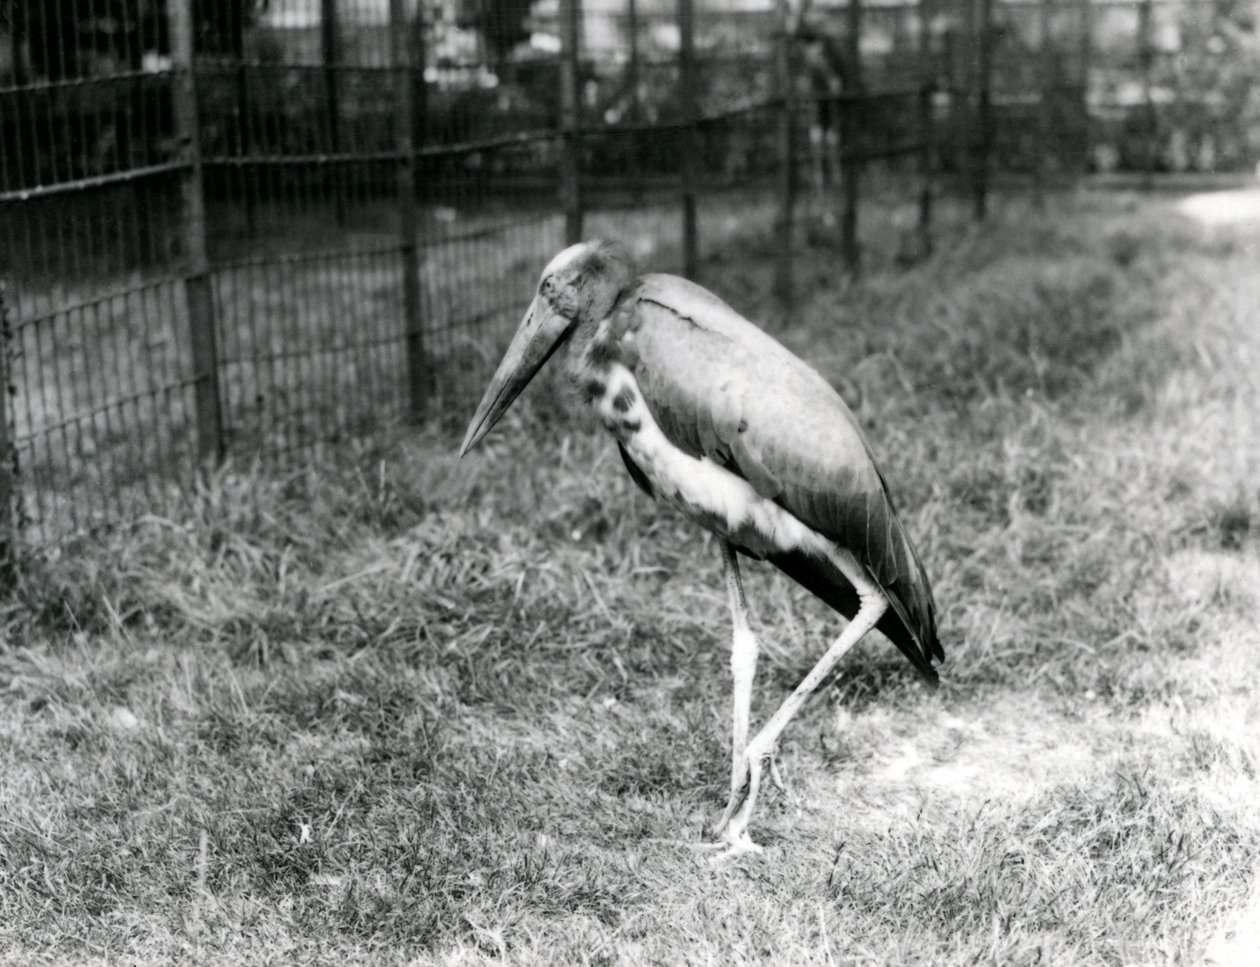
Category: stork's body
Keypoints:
(717, 418)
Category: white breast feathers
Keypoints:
(701, 488)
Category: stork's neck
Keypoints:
(598, 366)
(595, 344)
(591, 351)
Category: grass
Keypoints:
(401, 709)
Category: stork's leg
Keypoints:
(873, 605)
(743, 668)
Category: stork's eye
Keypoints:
(546, 287)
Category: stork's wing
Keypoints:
(722, 388)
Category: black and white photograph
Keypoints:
(630, 482)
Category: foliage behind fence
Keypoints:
(233, 228)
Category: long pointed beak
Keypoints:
(537, 338)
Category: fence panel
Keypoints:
(382, 179)
(300, 144)
(89, 187)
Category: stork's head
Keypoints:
(580, 285)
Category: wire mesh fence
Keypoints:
(234, 227)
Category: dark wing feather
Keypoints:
(720, 387)
(824, 581)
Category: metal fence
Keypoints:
(239, 228)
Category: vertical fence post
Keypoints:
(196, 269)
(632, 65)
(243, 111)
(406, 59)
(983, 139)
(954, 70)
(787, 155)
(1146, 57)
(1086, 40)
(8, 450)
(690, 140)
(570, 158)
(330, 48)
(635, 113)
(1045, 101)
(971, 58)
(927, 128)
(851, 172)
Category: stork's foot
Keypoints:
(727, 848)
(739, 793)
(733, 843)
(732, 828)
(740, 784)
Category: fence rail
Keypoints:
(234, 228)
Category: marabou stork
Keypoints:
(715, 417)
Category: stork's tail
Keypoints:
(910, 622)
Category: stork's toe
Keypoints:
(739, 792)
(734, 847)
(728, 846)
